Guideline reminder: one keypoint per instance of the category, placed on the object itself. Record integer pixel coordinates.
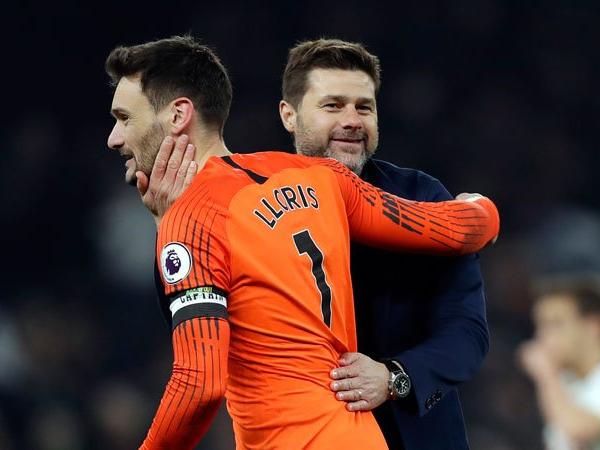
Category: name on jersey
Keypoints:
(285, 199)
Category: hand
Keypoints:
(536, 360)
(174, 170)
(471, 197)
(468, 196)
(361, 382)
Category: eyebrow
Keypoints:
(116, 112)
(345, 99)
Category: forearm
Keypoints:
(558, 409)
(451, 228)
(196, 387)
(381, 219)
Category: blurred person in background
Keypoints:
(563, 360)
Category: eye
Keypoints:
(332, 106)
(365, 108)
(121, 117)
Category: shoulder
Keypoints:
(208, 195)
(272, 161)
(403, 181)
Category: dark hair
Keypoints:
(176, 67)
(583, 289)
(325, 54)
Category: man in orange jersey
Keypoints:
(412, 311)
(254, 260)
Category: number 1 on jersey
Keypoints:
(305, 244)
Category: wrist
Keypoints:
(399, 383)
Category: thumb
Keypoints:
(142, 182)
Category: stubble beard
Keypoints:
(308, 144)
(149, 145)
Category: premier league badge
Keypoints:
(175, 262)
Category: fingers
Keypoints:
(468, 197)
(345, 372)
(170, 175)
(184, 168)
(162, 158)
(350, 396)
(142, 182)
(345, 385)
(191, 173)
(176, 158)
(360, 400)
(349, 358)
(361, 405)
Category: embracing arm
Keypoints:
(455, 345)
(196, 387)
(380, 219)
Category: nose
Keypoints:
(350, 118)
(115, 138)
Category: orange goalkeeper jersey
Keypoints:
(263, 240)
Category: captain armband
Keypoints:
(204, 301)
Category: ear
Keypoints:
(288, 115)
(181, 114)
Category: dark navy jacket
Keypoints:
(428, 313)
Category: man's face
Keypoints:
(337, 117)
(137, 133)
(560, 328)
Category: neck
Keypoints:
(207, 144)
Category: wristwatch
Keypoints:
(399, 383)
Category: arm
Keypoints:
(381, 219)
(455, 346)
(196, 387)
(580, 424)
(192, 255)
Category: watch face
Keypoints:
(402, 385)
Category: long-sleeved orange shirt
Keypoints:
(254, 258)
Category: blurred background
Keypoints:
(494, 96)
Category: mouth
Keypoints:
(355, 141)
(126, 156)
(350, 144)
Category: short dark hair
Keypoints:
(325, 54)
(175, 67)
(584, 290)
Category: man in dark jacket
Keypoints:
(421, 320)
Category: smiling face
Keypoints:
(138, 132)
(337, 117)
